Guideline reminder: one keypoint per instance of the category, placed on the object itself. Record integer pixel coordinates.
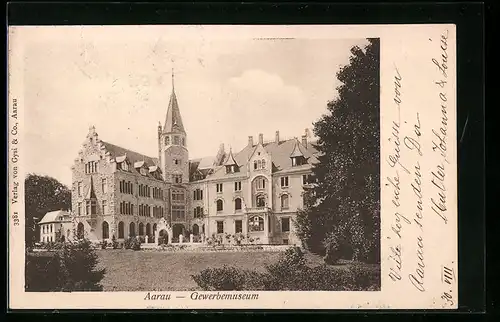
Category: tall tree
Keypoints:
(42, 194)
(342, 210)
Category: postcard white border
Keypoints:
(410, 49)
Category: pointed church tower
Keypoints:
(174, 156)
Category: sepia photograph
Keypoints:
(183, 165)
(232, 167)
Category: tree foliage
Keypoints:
(66, 267)
(42, 194)
(341, 216)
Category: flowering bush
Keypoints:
(132, 243)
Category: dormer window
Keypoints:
(143, 171)
(231, 165)
(124, 166)
(296, 161)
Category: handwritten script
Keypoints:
(411, 139)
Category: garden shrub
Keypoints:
(71, 266)
(114, 243)
(365, 278)
(133, 243)
(332, 249)
(290, 272)
(227, 278)
(104, 244)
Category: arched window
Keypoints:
(68, 232)
(141, 229)
(237, 204)
(261, 201)
(220, 205)
(256, 223)
(284, 202)
(167, 140)
(255, 165)
(154, 229)
(196, 230)
(148, 229)
(80, 231)
(105, 230)
(131, 229)
(121, 229)
(263, 164)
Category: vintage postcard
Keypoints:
(245, 167)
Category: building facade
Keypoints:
(250, 196)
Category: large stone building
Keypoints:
(253, 193)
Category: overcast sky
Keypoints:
(120, 82)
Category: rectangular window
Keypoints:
(220, 227)
(285, 224)
(104, 186)
(177, 178)
(176, 140)
(178, 196)
(238, 226)
(79, 208)
(219, 187)
(285, 241)
(104, 207)
(87, 207)
(237, 186)
(284, 182)
(198, 212)
(198, 194)
(178, 212)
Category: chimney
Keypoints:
(277, 137)
(261, 138)
(250, 141)
(304, 140)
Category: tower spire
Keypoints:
(173, 121)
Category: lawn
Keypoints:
(128, 270)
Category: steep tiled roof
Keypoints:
(202, 166)
(133, 157)
(54, 216)
(280, 155)
(230, 159)
(173, 120)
